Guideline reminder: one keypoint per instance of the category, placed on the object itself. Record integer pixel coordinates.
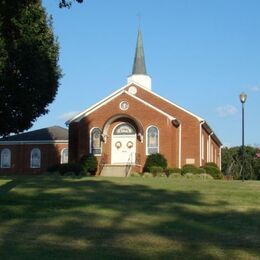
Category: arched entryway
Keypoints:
(123, 144)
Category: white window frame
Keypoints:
(146, 144)
(61, 155)
(90, 141)
(8, 158)
(31, 159)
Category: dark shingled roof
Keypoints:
(139, 61)
(45, 134)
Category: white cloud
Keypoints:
(225, 111)
(68, 115)
(255, 88)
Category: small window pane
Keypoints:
(35, 158)
(96, 141)
(65, 155)
(6, 158)
(152, 140)
(124, 129)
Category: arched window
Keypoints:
(35, 158)
(64, 155)
(95, 141)
(152, 140)
(6, 158)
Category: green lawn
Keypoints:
(128, 218)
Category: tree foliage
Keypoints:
(29, 71)
(234, 165)
(67, 3)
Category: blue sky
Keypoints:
(200, 54)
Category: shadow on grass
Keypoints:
(53, 218)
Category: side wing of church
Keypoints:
(133, 122)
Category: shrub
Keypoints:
(155, 159)
(147, 175)
(175, 175)
(135, 174)
(189, 168)
(189, 175)
(205, 176)
(54, 168)
(89, 163)
(66, 168)
(212, 164)
(156, 170)
(170, 171)
(213, 171)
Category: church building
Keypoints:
(133, 122)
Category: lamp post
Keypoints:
(242, 98)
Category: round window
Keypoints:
(124, 105)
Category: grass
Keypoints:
(129, 218)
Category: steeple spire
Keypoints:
(139, 61)
(139, 74)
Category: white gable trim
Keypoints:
(82, 115)
(151, 106)
(78, 117)
(171, 103)
(95, 107)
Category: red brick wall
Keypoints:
(21, 156)
(168, 133)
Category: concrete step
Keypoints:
(115, 171)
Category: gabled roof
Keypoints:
(115, 93)
(95, 107)
(54, 133)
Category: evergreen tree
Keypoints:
(29, 71)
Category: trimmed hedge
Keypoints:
(212, 164)
(170, 171)
(213, 171)
(155, 159)
(189, 168)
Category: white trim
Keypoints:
(9, 158)
(90, 141)
(61, 153)
(98, 103)
(131, 95)
(220, 159)
(33, 142)
(84, 113)
(171, 103)
(151, 106)
(40, 161)
(200, 133)
(146, 139)
(202, 147)
(209, 147)
(180, 144)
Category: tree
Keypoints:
(233, 162)
(67, 3)
(29, 70)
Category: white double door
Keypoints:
(123, 149)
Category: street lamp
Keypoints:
(242, 98)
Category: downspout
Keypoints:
(209, 148)
(201, 123)
(220, 155)
(180, 134)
